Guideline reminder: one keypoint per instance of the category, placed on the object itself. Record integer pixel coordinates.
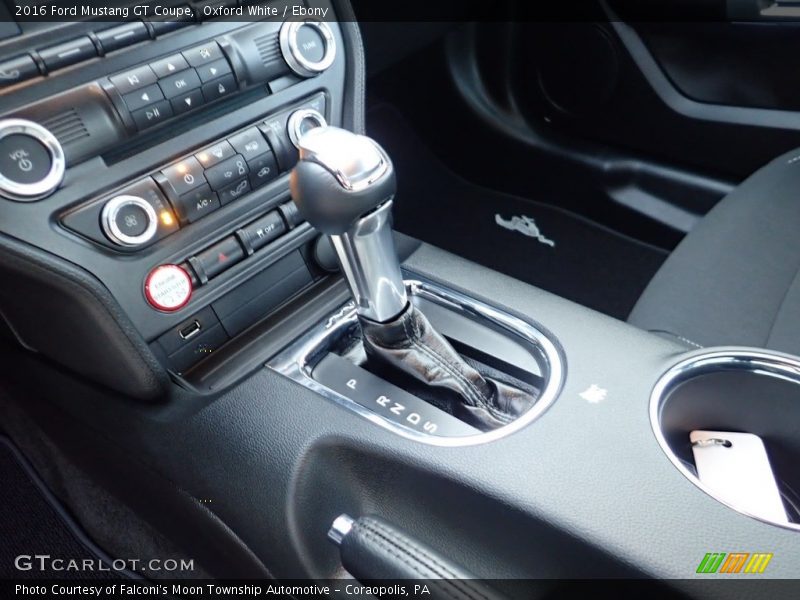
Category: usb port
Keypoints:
(190, 331)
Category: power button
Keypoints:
(31, 160)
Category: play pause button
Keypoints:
(187, 102)
(152, 115)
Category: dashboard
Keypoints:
(144, 183)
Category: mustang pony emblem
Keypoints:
(525, 226)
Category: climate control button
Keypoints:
(302, 121)
(129, 221)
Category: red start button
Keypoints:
(168, 288)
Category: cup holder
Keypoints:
(748, 391)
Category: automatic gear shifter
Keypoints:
(344, 185)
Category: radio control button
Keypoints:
(163, 24)
(263, 169)
(201, 55)
(249, 143)
(24, 159)
(143, 97)
(187, 102)
(180, 83)
(227, 172)
(169, 65)
(17, 69)
(168, 288)
(153, 115)
(308, 47)
(196, 204)
(234, 192)
(213, 70)
(185, 175)
(215, 154)
(134, 79)
(122, 36)
(31, 160)
(219, 88)
(68, 53)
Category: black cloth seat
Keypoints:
(735, 279)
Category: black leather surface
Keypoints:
(325, 204)
(57, 309)
(411, 344)
(376, 550)
(734, 279)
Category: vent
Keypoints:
(269, 48)
(68, 127)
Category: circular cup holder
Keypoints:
(737, 390)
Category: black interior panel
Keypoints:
(743, 64)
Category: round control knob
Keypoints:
(129, 221)
(168, 288)
(302, 121)
(308, 47)
(32, 161)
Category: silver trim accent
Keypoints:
(291, 51)
(370, 264)
(356, 161)
(298, 360)
(29, 192)
(108, 218)
(340, 529)
(773, 364)
(296, 120)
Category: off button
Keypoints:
(31, 160)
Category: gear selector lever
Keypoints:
(344, 185)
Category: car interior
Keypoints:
(498, 302)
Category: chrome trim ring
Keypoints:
(296, 120)
(759, 361)
(112, 230)
(343, 143)
(298, 360)
(29, 192)
(291, 51)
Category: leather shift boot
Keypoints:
(412, 345)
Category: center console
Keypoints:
(153, 156)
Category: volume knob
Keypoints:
(32, 161)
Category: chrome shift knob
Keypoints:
(343, 185)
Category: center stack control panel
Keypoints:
(156, 157)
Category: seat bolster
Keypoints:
(732, 280)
